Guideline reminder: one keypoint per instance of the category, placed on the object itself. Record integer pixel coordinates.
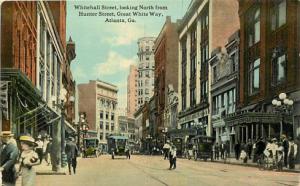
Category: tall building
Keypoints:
(269, 65)
(98, 99)
(203, 28)
(166, 73)
(145, 80)
(132, 91)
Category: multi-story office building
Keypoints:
(166, 72)
(203, 28)
(269, 65)
(132, 91)
(224, 88)
(98, 99)
(145, 79)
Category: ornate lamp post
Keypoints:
(284, 106)
(165, 131)
(62, 108)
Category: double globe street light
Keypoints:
(284, 106)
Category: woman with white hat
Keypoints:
(28, 159)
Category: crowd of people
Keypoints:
(282, 151)
(29, 152)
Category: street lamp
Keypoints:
(62, 108)
(283, 105)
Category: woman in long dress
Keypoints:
(28, 159)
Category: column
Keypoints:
(269, 130)
(252, 132)
(247, 137)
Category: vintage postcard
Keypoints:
(150, 92)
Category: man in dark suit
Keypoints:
(71, 151)
(9, 155)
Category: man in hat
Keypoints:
(285, 144)
(9, 157)
(71, 151)
(39, 148)
(48, 151)
(293, 147)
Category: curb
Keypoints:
(50, 173)
(249, 165)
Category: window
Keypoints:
(254, 76)
(193, 66)
(254, 26)
(112, 117)
(101, 114)
(193, 96)
(140, 74)
(147, 58)
(146, 82)
(204, 90)
(101, 124)
(106, 115)
(147, 74)
(147, 48)
(233, 60)
(106, 126)
(147, 65)
(204, 52)
(278, 14)
(42, 37)
(146, 91)
(279, 69)
(183, 101)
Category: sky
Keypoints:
(106, 50)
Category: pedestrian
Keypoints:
(48, 152)
(217, 151)
(292, 153)
(39, 148)
(237, 150)
(260, 147)
(127, 151)
(166, 149)
(249, 148)
(280, 160)
(9, 155)
(28, 159)
(222, 148)
(172, 157)
(285, 144)
(243, 156)
(45, 143)
(71, 151)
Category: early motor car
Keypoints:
(118, 146)
(91, 147)
(203, 148)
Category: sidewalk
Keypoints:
(233, 161)
(43, 169)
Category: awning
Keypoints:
(69, 128)
(254, 117)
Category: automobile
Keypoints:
(91, 147)
(203, 147)
(118, 146)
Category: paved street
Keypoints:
(146, 170)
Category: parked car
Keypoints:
(204, 146)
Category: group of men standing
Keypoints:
(170, 152)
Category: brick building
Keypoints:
(32, 59)
(166, 71)
(269, 65)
